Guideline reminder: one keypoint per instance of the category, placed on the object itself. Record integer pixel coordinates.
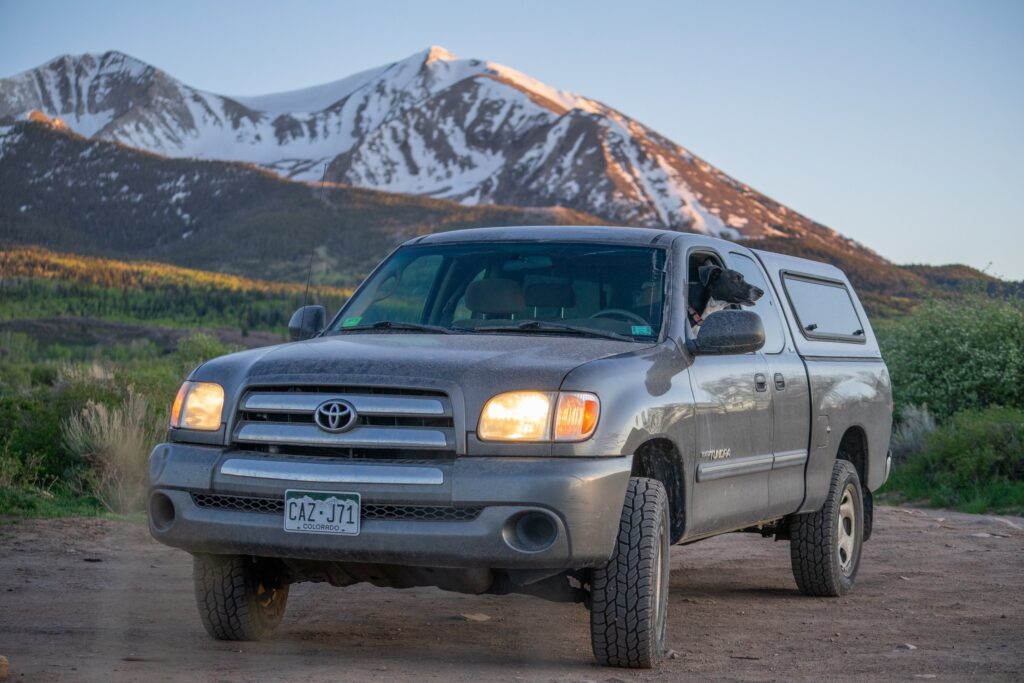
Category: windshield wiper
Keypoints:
(546, 326)
(389, 325)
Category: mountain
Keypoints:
(68, 193)
(434, 125)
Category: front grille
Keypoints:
(389, 423)
(426, 513)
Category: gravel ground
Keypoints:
(940, 596)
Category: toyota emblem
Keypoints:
(335, 416)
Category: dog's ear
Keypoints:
(708, 274)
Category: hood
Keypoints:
(475, 366)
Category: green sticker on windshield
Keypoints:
(351, 322)
(642, 331)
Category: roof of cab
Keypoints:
(553, 233)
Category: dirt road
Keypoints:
(940, 597)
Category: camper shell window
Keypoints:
(824, 308)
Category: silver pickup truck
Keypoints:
(538, 410)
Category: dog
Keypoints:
(720, 288)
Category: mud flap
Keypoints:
(869, 514)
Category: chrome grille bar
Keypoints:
(360, 437)
(331, 473)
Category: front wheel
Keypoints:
(825, 545)
(629, 594)
(239, 597)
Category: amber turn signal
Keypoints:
(576, 415)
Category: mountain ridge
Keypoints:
(432, 124)
(66, 193)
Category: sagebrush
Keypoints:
(114, 441)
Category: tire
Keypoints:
(239, 598)
(629, 594)
(825, 546)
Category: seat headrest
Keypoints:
(496, 296)
(550, 295)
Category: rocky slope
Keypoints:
(432, 124)
(73, 194)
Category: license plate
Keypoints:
(321, 512)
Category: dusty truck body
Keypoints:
(531, 410)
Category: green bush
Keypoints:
(199, 348)
(30, 422)
(112, 409)
(950, 357)
(974, 462)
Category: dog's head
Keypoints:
(728, 285)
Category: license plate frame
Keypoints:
(331, 513)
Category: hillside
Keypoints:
(83, 302)
(431, 124)
(64, 192)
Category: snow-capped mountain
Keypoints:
(432, 124)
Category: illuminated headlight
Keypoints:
(539, 416)
(198, 405)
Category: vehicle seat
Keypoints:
(558, 295)
(497, 297)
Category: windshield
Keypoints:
(514, 288)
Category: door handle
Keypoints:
(760, 382)
(780, 381)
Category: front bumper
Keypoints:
(582, 497)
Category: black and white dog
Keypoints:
(720, 288)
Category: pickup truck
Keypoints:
(532, 410)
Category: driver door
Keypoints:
(733, 411)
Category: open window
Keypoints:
(696, 291)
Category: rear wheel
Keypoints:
(629, 595)
(239, 597)
(825, 546)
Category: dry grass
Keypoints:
(115, 443)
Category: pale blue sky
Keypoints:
(901, 124)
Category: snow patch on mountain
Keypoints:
(431, 124)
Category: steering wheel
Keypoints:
(630, 316)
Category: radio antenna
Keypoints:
(312, 250)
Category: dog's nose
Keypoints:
(758, 292)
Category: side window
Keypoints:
(824, 309)
(766, 306)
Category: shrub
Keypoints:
(114, 442)
(973, 462)
(910, 432)
(199, 348)
(951, 357)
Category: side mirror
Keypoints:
(307, 322)
(729, 332)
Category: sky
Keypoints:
(898, 123)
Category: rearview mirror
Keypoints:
(307, 322)
(729, 332)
